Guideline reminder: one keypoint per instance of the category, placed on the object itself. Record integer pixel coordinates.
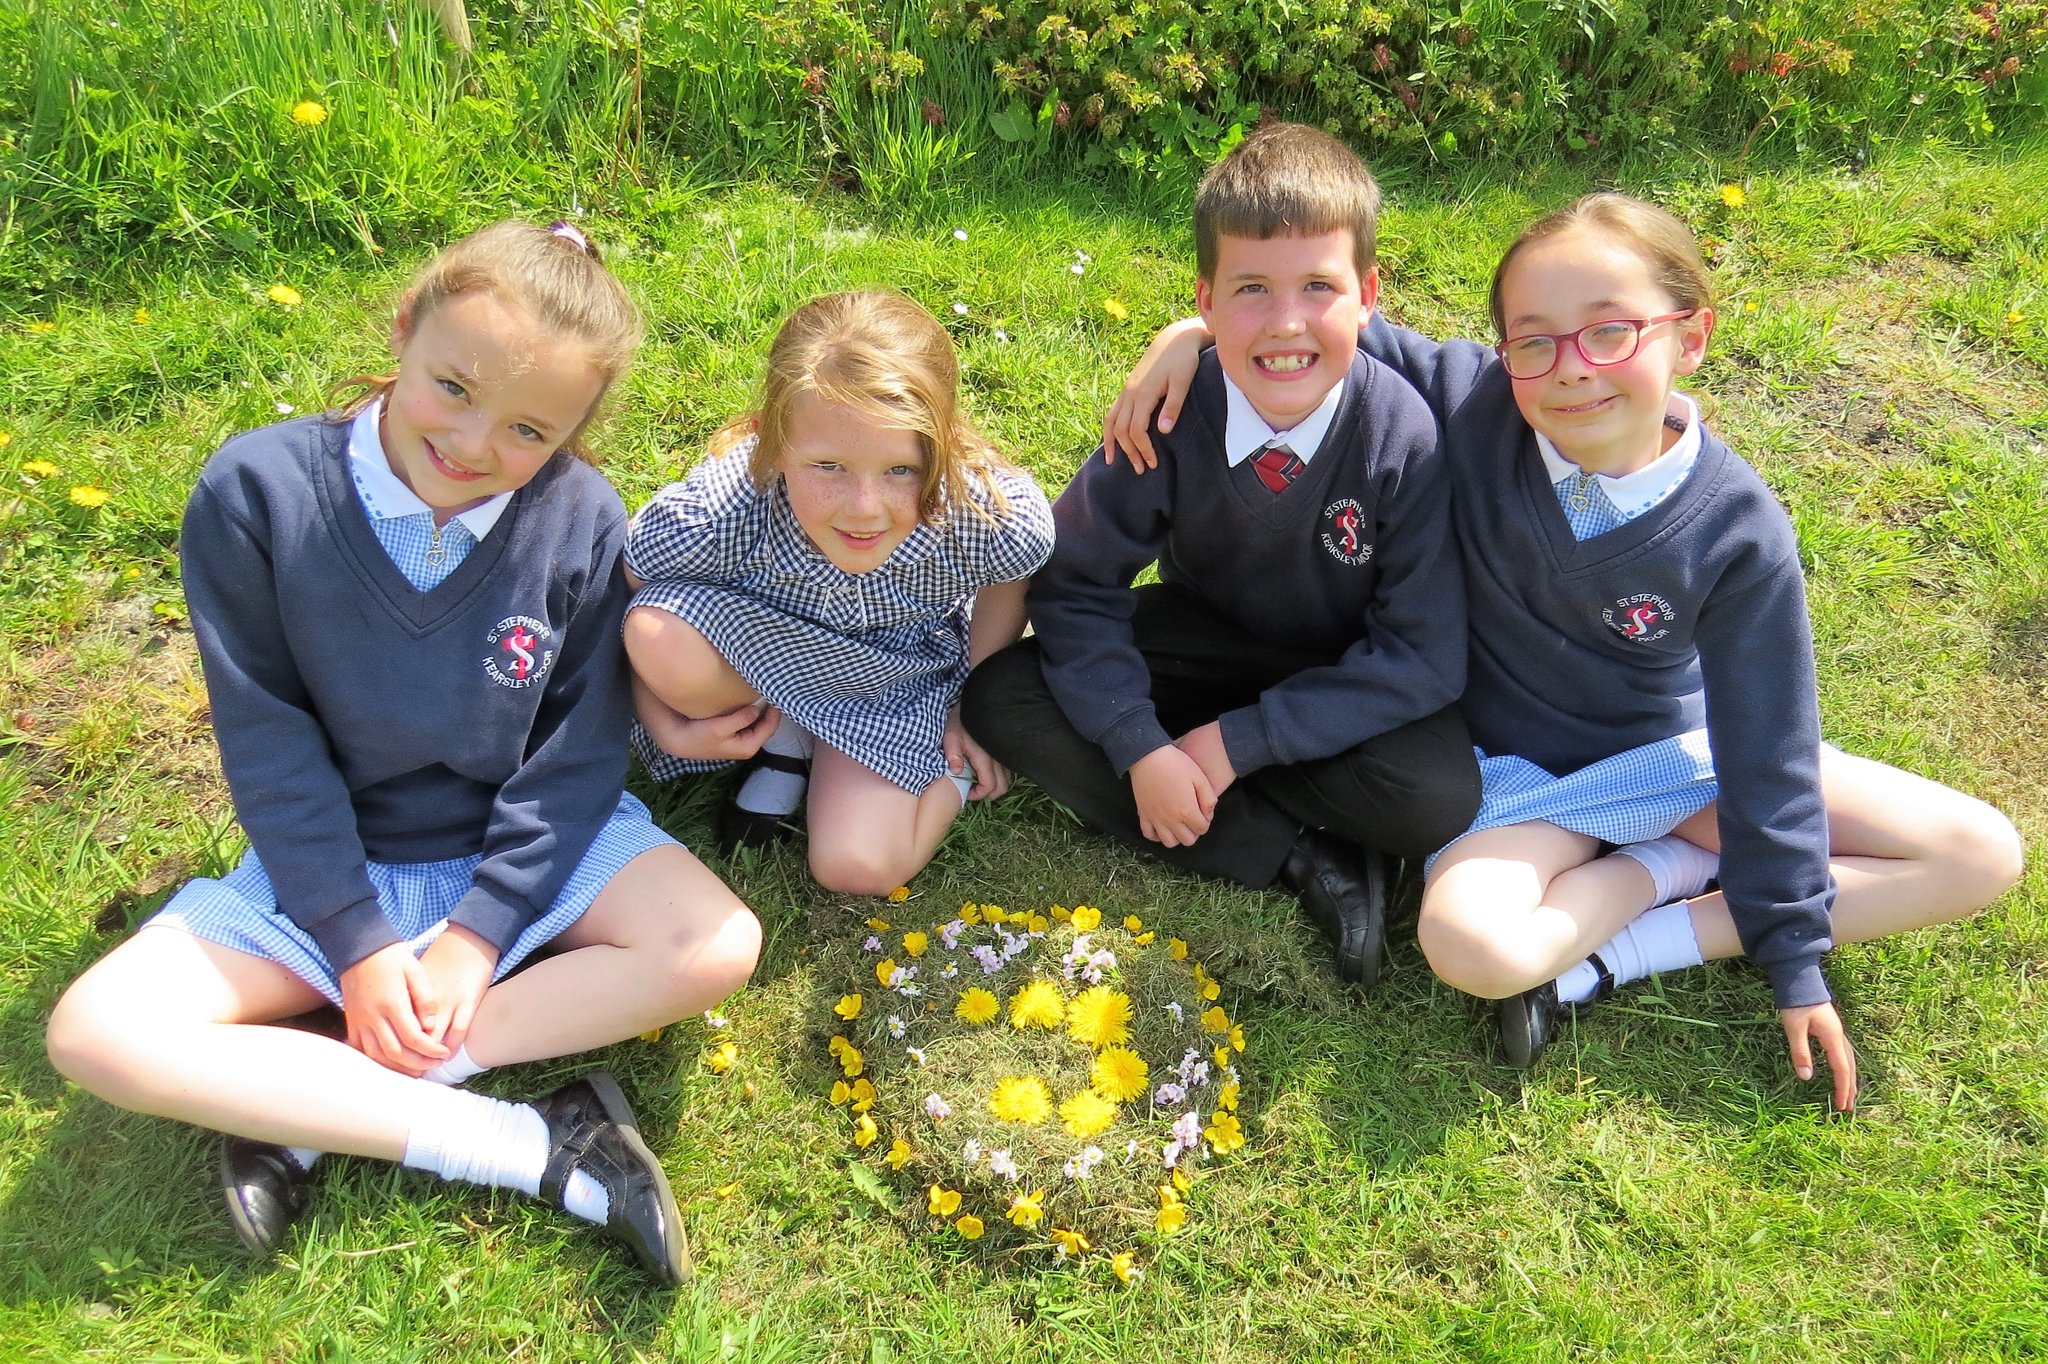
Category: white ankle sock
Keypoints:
(453, 1071)
(769, 792)
(1658, 941)
(1680, 869)
(480, 1140)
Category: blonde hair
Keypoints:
(890, 361)
(552, 274)
(1666, 245)
(1287, 179)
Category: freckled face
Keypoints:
(853, 485)
(483, 400)
(1606, 418)
(1285, 312)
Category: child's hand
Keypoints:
(1174, 798)
(458, 967)
(737, 734)
(1821, 1023)
(1160, 381)
(1205, 746)
(991, 778)
(378, 997)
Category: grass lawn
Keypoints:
(1661, 1186)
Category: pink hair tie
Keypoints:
(570, 232)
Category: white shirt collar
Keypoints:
(1245, 431)
(385, 496)
(1634, 493)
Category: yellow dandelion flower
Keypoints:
(727, 1190)
(1226, 1095)
(309, 113)
(651, 1035)
(1750, 306)
(2012, 319)
(1224, 1133)
(942, 1201)
(721, 1057)
(1087, 918)
(1145, 939)
(1069, 1242)
(1124, 1265)
(41, 328)
(1087, 1114)
(865, 1131)
(1172, 1217)
(1177, 948)
(1061, 913)
(1021, 1099)
(284, 296)
(1222, 1055)
(142, 317)
(848, 1007)
(1037, 923)
(1133, 923)
(863, 1094)
(39, 468)
(899, 1154)
(884, 969)
(837, 1045)
(1168, 1196)
(969, 1227)
(1237, 1037)
(851, 1062)
(1100, 1016)
(5, 440)
(1182, 1181)
(1119, 1074)
(86, 495)
(899, 895)
(877, 925)
(915, 943)
(841, 1092)
(1205, 984)
(1215, 1020)
(1115, 308)
(1027, 1209)
(976, 1006)
(995, 914)
(1733, 196)
(970, 913)
(1038, 1005)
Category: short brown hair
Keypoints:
(1287, 179)
(1656, 234)
(552, 274)
(889, 360)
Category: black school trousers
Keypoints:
(1405, 793)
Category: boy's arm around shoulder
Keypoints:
(289, 796)
(1408, 660)
(546, 815)
(1443, 372)
(1109, 524)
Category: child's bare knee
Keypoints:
(1985, 856)
(1476, 962)
(726, 962)
(89, 1043)
(850, 869)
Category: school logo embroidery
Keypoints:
(1344, 532)
(518, 654)
(1643, 618)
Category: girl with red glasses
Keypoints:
(1641, 673)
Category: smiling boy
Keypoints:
(1279, 706)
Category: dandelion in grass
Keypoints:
(1027, 1209)
(1226, 1096)
(1119, 1074)
(841, 1093)
(1115, 308)
(5, 440)
(1021, 1099)
(1124, 1264)
(1733, 196)
(1215, 1020)
(1224, 1133)
(1237, 1037)
(885, 972)
(941, 1201)
(41, 328)
(863, 1094)
(142, 317)
(722, 1057)
(1086, 1114)
(976, 1006)
(899, 1154)
(1038, 1005)
(2013, 318)
(309, 113)
(1100, 1017)
(284, 296)
(1068, 1243)
(87, 496)
(848, 1007)
(727, 1190)
(39, 468)
(1177, 948)
(878, 925)
(865, 1131)
(1087, 918)
(915, 944)
(969, 1227)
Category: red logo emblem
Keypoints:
(1641, 617)
(519, 654)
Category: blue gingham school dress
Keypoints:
(868, 662)
(240, 910)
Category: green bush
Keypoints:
(1166, 80)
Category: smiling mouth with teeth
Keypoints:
(1285, 364)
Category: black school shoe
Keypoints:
(1344, 889)
(739, 827)
(1531, 1020)
(266, 1191)
(591, 1128)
